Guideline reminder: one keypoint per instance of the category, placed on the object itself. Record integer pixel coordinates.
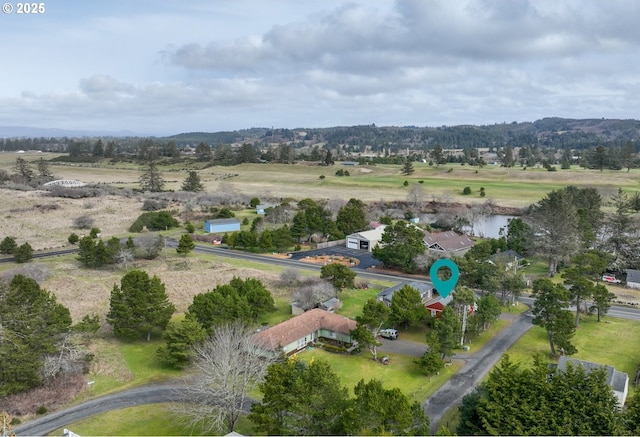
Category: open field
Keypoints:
(516, 187)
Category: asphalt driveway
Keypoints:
(365, 259)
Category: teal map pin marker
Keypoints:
(444, 287)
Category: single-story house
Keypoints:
(447, 244)
(222, 225)
(436, 304)
(365, 240)
(633, 278)
(509, 258)
(618, 381)
(295, 334)
(424, 288)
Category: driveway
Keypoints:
(365, 258)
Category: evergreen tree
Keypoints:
(431, 362)
(352, 217)
(375, 410)
(368, 325)
(407, 308)
(192, 182)
(139, 306)
(185, 245)
(602, 299)
(31, 324)
(549, 310)
(98, 148)
(339, 275)
(180, 339)
(8, 246)
(203, 152)
(151, 179)
(407, 168)
(23, 253)
(400, 244)
(43, 170)
(300, 399)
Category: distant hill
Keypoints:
(38, 132)
(548, 132)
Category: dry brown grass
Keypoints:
(50, 228)
(86, 291)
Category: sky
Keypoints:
(164, 67)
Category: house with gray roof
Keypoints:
(447, 244)
(424, 288)
(618, 381)
(633, 278)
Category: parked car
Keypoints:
(610, 279)
(389, 333)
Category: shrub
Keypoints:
(466, 191)
(482, 192)
(154, 221)
(245, 221)
(83, 222)
(154, 205)
(73, 238)
(254, 202)
(94, 233)
(41, 410)
(322, 176)
(189, 228)
(332, 348)
(406, 183)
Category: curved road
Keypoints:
(151, 394)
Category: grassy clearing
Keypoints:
(353, 301)
(145, 420)
(608, 342)
(401, 373)
(120, 365)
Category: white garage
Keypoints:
(365, 240)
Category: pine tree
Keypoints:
(185, 245)
(192, 182)
(8, 246)
(139, 306)
(407, 169)
(151, 179)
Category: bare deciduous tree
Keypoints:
(290, 277)
(314, 291)
(415, 197)
(226, 369)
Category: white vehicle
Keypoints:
(390, 334)
(610, 279)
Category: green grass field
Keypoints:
(611, 342)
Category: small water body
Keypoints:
(489, 226)
(486, 226)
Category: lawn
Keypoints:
(612, 342)
(402, 372)
(145, 420)
(353, 301)
(120, 365)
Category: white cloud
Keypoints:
(164, 67)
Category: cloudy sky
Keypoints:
(167, 66)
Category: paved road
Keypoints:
(477, 365)
(151, 394)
